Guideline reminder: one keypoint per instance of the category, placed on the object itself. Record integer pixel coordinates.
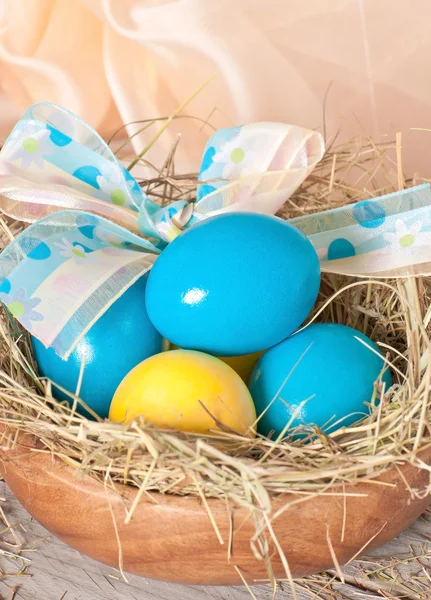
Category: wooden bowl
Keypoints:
(171, 538)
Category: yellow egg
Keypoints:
(243, 365)
(184, 390)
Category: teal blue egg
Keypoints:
(123, 337)
(324, 375)
(233, 284)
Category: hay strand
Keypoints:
(250, 471)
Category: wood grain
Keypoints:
(56, 569)
(171, 538)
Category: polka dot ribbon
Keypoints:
(93, 231)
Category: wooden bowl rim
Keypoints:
(58, 467)
(178, 531)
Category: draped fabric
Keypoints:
(116, 61)
(113, 62)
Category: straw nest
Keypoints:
(394, 313)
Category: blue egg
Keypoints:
(233, 284)
(323, 374)
(117, 342)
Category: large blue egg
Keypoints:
(233, 284)
(117, 342)
(324, 365)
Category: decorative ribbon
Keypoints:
(94, 232)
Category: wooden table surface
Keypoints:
(56, 572)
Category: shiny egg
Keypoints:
(324, 375)
(123, 337)
(187, 391)
(234, 284)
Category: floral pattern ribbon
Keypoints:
(93, 231)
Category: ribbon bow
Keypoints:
(94, 231)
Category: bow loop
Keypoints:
(255, 167)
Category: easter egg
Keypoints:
(243, 365)
(324, 375)
(187, 391)
(234, 284)
(117, 342)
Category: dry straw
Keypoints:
(394, 313)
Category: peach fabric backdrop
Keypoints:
(116, 61)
